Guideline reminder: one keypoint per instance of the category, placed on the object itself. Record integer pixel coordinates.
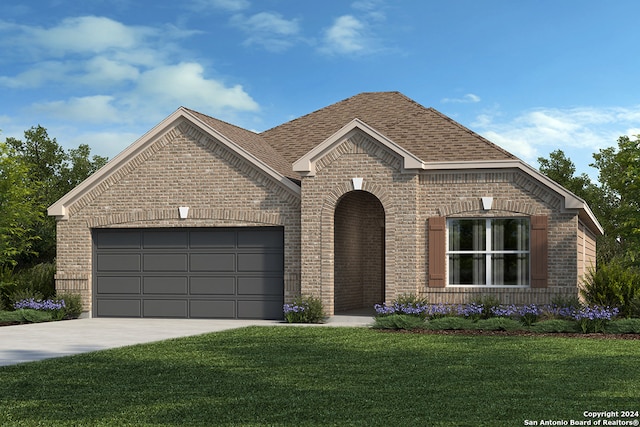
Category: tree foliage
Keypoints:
(47, 172)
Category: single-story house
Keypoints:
(357, 203)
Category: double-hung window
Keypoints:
(488, 251)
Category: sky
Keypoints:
(532, 76)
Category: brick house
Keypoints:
(357, 203)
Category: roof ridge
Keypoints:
(221, 121)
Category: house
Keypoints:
(357, 203)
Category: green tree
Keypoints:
(619, 176)
(53, 172)
(20, 209)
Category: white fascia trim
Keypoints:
(306, 165)
(571, 201)
(60, 208)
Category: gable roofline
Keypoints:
(306, 165)
(60, 208)
(571, 201)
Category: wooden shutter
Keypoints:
(539, 251)
(437, 252)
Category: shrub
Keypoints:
(473, 311)
(304, 309)
(624, 326)
(555, 326)
(498, 324)
(410, 300)
(399, 321)
(450, 323)
(39, 278)
(54, 308)
(24, 316)
(613, 284)
(487, 302)
(72, 305)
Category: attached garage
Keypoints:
(189, 272)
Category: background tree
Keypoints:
(53, 172)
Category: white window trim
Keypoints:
(488, 252)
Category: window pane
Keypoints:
(510, 234)
(467, 235)
(510, 269)
(467, 269)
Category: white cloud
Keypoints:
(226, 5)
(93, 109)
(185, 84)
(105, 70)
(469, 98)
(345, 36)
(268, 29)
(533, 132)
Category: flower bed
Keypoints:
(473, 316)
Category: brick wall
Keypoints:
(409, 199)
(181, 168)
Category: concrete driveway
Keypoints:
(37, 341)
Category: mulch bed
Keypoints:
(513, 334)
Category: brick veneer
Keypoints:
(183, 167)
(409, 199)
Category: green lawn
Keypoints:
(327, 376)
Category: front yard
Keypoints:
(327, 376)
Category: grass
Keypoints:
(326, 376)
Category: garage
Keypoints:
(233, 273)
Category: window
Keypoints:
(488, 252)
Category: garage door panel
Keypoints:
(213, 239)
(227, 272)
(260, 285)
(260, 238)
(259, 309)
(165, 285)
(118, 308)
(165, 262)
(165, 239)
(118, 285)
(118, 239)
(260, 262)
(165, 308)
(216, 262)
(213, 285)
(118, 262)
(211, 309)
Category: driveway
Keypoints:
(37, 341)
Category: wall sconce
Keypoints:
(183, 211)
(487, 202)
(357, 183)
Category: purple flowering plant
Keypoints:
(43, 305)
(304, 310)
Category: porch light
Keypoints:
(487, 202)
(357, 183)
(183, 211)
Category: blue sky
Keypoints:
(530, 75)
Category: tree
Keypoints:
(620, 182)
(53, 172)
(20, 209)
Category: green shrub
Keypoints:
(623, 326)
(40, 279)
(25, 316)
(20, 294)
(566, 301)
(498, 324)
(555, 326)
(399, 321)
(450, 323)
(613, 284)
(73, 305)
(304, 309)
(411, 300)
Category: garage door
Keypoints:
(189, 273)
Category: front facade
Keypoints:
(357, 203)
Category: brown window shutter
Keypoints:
(437, 252)
(539, 251)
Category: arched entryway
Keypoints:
(359, 252)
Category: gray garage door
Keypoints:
(189, 273)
